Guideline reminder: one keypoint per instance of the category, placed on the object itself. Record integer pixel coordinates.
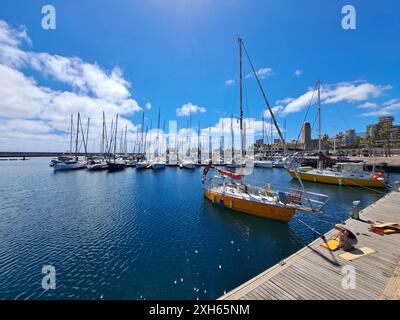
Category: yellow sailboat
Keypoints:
(351, 174)
(341, 173)
(228, 189)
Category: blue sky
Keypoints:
(176, 53)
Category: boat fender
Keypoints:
(221, 202)
(231, 204)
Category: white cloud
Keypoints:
(334, 93)
(285, 101)
(298, 73)
(389, 107)
(367, 105)
(229, 82)
(276, 110)
(32, 116)
(188, 109)
(147, 106)
(390, 102)
(261, 73)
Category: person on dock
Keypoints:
(346, 238)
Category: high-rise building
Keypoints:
(386, 121)
(306, 135)
(375, 130)
(349, 138)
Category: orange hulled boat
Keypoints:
(227, 189)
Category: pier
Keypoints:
(315, 273)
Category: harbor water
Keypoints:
(143, 234)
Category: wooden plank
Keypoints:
(316, 273)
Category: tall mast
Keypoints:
(157, 138)
(87, 137)
(209, 143)
(121, 147)
(266, 100)
(319, 115)
(222, 145)
(233, 140)
(198, 145)
(102, 137)
(141, 147)
(145, 140)
(187, 139)
(111, 141)
(263, 134)
(272, 138)
(77, 135)
(115, 137)
(126, 142)
(241, 93)
(190, 133)
(72, 128)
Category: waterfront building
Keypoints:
(375, 130)
(306, 135)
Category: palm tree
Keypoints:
(371, 144)
(384, 133)
(326, 142)
(358, 141)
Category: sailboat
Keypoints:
(143, 163)
(187, 162)
(158, 163)
(69, 163)
(115, 164)
(98, 163)
(341, 173)
(228, 189)
(232, 163)
(263, 163)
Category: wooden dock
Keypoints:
(315, 273)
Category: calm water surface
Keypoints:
(141, 234)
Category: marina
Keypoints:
(199, 150)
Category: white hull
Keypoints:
(97, 166)
(158, 165)
(189, 165)
(142, 165)
(60, 166)
(263, 164)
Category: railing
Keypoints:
(298, 199)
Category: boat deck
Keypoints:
(315, 273)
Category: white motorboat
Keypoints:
(158, 164)
(263, 164)
(142, 165)
(69, 165)
(188, 165)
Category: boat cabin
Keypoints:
(350, 167)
